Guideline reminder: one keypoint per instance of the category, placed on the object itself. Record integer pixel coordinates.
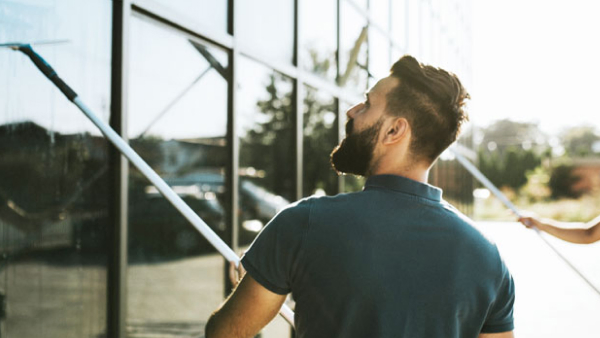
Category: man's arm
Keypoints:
(249, 308)
(508, 334)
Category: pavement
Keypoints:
(65, 296)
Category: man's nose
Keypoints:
(352, 111)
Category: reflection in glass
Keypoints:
(379, 55)
(319, 37)
(212, 13)
(399, 22)
(320, 137)
(414, 22)
(178, 124)
(353, 49)
(54, 194)
(380, 11)
(267, 27)
(266, 132)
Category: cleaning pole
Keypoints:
(489, 185)
(139, 163)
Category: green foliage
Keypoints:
(561, 182)
(536, 189)
(267, 146)
(578, 141)
(508, 169)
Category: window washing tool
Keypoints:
(456, 150)
(139, 163)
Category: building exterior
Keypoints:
(235, 103)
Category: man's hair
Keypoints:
(432, 100)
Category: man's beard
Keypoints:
(354, 154)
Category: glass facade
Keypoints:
(54, 195)
(177, 122)
(320, 135)
(237, 108)
(266, 137)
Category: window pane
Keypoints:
(320, 137)
(267, 27)
(178, 124)
(414, 22)
(353, 45)
(265, 128)
(54, 193)
(379, 55)
(380, 12)
(319, 37)
(212, 13)
(399, 21)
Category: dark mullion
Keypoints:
(298, 104)
(232, 171)
(116, 308)
(340, 113)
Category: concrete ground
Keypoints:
(174, 298)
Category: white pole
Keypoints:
(170, 195)
(484, 180)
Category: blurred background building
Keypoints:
(235, 103)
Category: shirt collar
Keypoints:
(405, 185)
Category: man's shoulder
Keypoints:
(470, 233)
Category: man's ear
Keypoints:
(397, 130)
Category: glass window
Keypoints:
(414, 31)
(212, 13)
(320, 137)
(319, 37)
(54, 188)
(267, 27)
(177, 122)
(266, 131)
(380, 12)
(353, 49)
(426, 33)
(379, 55)
(399, 22)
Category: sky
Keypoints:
(536, 61)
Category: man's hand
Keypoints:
(236, 274)
(249, 308)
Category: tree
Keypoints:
(578, 141)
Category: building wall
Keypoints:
(235, 103)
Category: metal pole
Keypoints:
(488, 184)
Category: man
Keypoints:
(393, 260)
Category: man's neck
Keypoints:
(414, 173)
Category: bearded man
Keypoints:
(393, 260)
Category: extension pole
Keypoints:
(488, 184)
(143, 167)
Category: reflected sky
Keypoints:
(319, 36)
(25, 94)
(267, 27)
(212, 13)
(171, 82)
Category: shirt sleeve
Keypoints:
(500, 316)
(275, 253)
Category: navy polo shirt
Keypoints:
(393, 260)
